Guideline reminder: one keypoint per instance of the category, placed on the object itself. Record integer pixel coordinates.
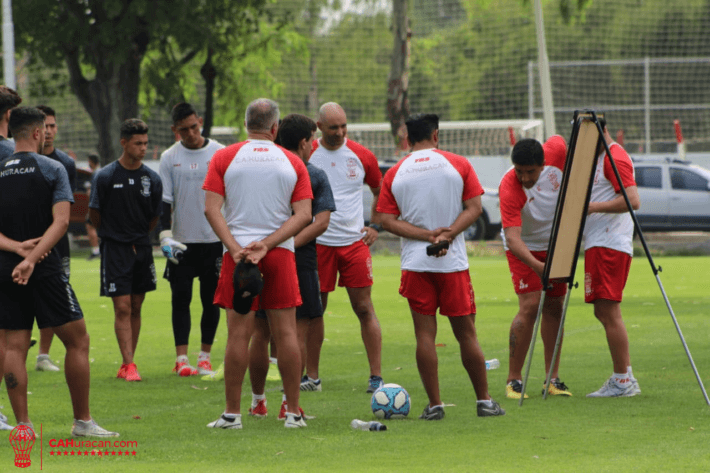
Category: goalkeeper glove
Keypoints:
(172, 249)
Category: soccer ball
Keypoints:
(391, 401)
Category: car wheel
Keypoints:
(478, 230)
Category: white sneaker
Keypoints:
(3, 417)
(293, 421)
(225, 422)
(611, 389)
(90, 428)
(5, 426)
(45, 364)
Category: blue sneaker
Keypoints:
(374, 384)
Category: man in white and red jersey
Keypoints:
(266, 195)
(344, 247)
(428, 197)
(608, 250)
(528, 198)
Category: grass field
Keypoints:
(665, 428)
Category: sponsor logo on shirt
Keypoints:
(176, 165)
(421, 160)
(193, 166)
(117, 186)
(261, 150)
(12, 162)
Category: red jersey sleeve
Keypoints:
(387, 204)
(512, 200)
(302, 190)
(373, 175)
(555, 150)
(214, 180)
(471, 185)
(623, 164)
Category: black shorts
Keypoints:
(201, 260)
(312, 307)
(50, 300)
(62, 247)
(126, 269)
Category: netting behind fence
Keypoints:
(645, 63)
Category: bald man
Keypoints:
(345, 246)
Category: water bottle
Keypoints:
(374, 426)
(492, 364)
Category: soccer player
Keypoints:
(608, 250)
(35, 200)
(44, 363)
(266, 195)
(296, 135)
(90, 230)
(344, 247)
(9, 99)
(528, 198)
(125, 206)
(431, 196)
(190, 244)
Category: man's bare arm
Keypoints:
(520, 250)
(313, 230)
(213, 212)
(617, 205)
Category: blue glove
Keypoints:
(172, 249)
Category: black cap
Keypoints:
(247, 284)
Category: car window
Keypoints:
(648, 176)
(683, 179)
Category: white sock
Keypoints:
(233, 417)
(630, 372)
(203, 356)
(255, 398)
(95, 250)
(42, 356)
(273, 360)
(486, 402)
(283, 398)
(182, 358)
(621, 378)
(313, 379)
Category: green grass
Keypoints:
(665, 428)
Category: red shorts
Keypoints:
(280, 290)
(525, 280)
(605, 273)
(451, 292)
(353, 262)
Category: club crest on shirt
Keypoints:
(193, 166)
(145, 182)
(351, 168)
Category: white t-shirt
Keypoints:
(610, 230)
(347, 168)
(258, 180)
(183, 171)
(427, 189)
(534, 209)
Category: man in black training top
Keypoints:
(125, 206)
(44, 363)
(34, 203)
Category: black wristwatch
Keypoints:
(376, 227)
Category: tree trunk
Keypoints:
(398, 81)
(209, 73)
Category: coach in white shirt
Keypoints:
(344, 247)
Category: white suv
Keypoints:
(674, 194)
(487, 227)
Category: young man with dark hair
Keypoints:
(528, 199)
(345, 246)
(188, 242)
(9, 99)
(429, 197)
(125, 206)
(266, 194)
(44, 363)
(608, 250)
(296, 135)
(35, 200)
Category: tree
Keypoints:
(103, 44)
